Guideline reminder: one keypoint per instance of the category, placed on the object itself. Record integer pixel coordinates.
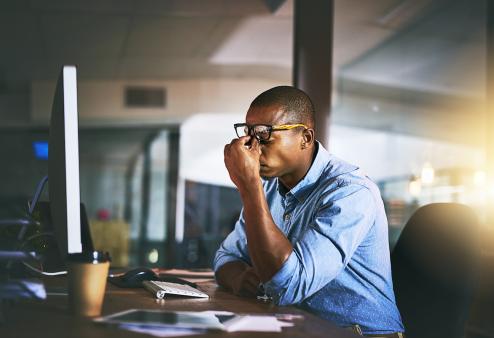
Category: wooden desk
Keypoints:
(50, 318)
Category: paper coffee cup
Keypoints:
(87, 274)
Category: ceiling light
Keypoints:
(415, 187)
(427, 175)
(479, 178)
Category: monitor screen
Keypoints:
(40, 149)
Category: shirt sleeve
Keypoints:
(234, 247)
(326, 246)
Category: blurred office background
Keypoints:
(161, 83)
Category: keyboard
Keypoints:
(160, 289)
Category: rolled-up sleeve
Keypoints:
(326, 245)
(234, 247)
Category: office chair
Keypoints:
(434, 266)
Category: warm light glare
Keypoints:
(415, 187)
(153, 256)
(427, 176)
(479, 178)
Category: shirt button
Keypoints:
(287, 217)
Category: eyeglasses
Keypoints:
(262, 132)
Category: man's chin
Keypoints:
(266, 173)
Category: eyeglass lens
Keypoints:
(261, 132)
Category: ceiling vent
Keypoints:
(145, 97)
(274, 5)
(405, 12)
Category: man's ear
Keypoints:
(307, 138)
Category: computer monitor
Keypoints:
(64, 216)
(63, 164)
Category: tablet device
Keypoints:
(157, 318)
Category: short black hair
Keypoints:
(293, 101)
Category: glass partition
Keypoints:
(409, 103)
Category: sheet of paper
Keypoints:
(161, 332)
(252, 323)
(256, 324)
(188, 273)
(192, 276)
(22, 288)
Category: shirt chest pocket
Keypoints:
(297, 226)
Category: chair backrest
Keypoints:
(434, 266)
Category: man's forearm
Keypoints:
(268, 246)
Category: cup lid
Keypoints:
(89, 257)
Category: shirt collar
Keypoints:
(317, 167)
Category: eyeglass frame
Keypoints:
(271, 128)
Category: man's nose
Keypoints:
(262, 147)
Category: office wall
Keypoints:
(19, 169)
(14, 107)
(103, 101)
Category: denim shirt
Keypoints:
(340, 267)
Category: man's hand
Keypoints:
(246, 283)
(242, 161)
(239, 277)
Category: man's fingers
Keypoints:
(251, 272)
(251, 288)
(252, 278)
(244, 142)
(254, 146)
(244, 139)
(226, 150)
(249, 284)
(239, 142)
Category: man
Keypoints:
(313, 231)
